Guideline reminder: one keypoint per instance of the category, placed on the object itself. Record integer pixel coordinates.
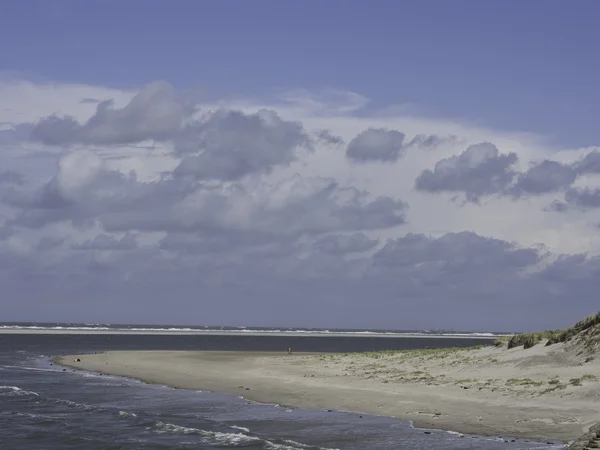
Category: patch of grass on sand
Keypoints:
(580, 380)
(523, 382)
(415, 376)
(527, 340)
(466, 380)
(555, 387)
(429, 353)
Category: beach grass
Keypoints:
(588, 329)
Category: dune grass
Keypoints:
(589, 327)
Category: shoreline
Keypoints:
(322, 381)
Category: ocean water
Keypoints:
(43, 406)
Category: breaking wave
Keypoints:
(234, 439)
(15, 390)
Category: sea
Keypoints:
(46, 407)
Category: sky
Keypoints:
(404, 165)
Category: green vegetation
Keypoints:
(588, 328)
(578, 381)
(428, 353)
(523, 382)
(555, 387)
(581, 326)
(575, 381)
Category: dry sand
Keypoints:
(538, 393)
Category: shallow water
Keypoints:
(44, 407)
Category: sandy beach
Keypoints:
(538, 393)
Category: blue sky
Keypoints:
(528, 66)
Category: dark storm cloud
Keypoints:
(478, 171)
(543, 178)
(376, 144)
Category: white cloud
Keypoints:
(446, 213)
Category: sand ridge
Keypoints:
(537, 393)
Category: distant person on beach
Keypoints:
(289, 350)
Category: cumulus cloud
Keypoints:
(478, 171)
(154, 113)
(230, 144)
(589, 165)
(292, 207)
(85, 189)
(454, 254)
(543, 178)
(82, 189)
(376, 144)
(245, 208)
(583, 198)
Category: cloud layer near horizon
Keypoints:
(148, 206)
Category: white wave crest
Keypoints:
(16, 390)
(72, 404)
(215, 436)
(10, 388)
(238, 330)
(36, 369)
(293, 445)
